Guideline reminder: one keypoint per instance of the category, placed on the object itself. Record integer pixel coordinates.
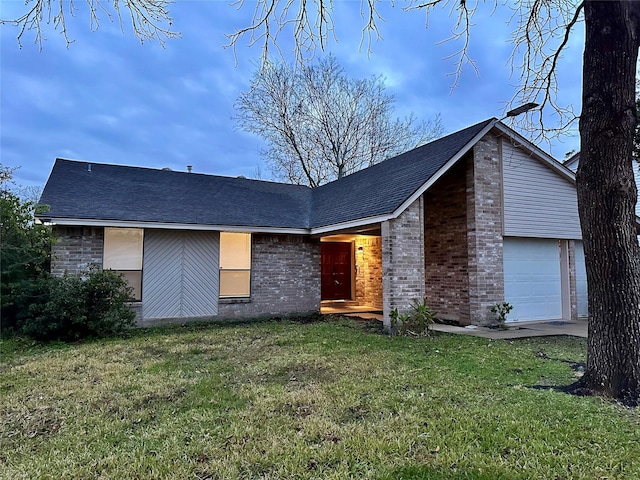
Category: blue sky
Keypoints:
(107, 98)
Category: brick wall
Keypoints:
(403, 260)
(76, 248)
(369, 271)
(285, 278)
(446, 255)
(485, 244)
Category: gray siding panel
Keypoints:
(161, 274)
(537, 201)
(200, 284)
(180, 274)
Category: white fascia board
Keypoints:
(80, 222)
(360, 222)
(538, 152)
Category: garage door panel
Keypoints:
(532, 280)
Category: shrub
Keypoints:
(24, 253)
(501, 310)
(76, 307)
(417, 321)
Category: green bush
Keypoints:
(24, 253)
(417, 321)
(76, 307)
(501, 310)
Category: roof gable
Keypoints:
(382, 188)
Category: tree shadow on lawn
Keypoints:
(579, 388)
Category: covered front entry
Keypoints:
(336, 270)
(351, 272)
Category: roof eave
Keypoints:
(351, 224)
(89, 222)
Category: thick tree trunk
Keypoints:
(606, 198)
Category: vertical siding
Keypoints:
(538, 202)
(180, 274)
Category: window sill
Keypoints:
(231, 300)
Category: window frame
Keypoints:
(124, 271)
(222, 269)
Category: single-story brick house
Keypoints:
(466, 221)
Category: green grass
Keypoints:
(326, 400)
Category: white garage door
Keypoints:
(532, 278)
(581, 281)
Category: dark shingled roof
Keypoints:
(113, 192)
(382, 188)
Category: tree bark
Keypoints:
(606, 199)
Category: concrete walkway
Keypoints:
(521, 329)
(516, 329)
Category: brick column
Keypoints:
(403, 268)
(485, 242)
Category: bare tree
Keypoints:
(321, 125)
(606, 190)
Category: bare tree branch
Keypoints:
(321, 125)
(542, 33)
(150, 19)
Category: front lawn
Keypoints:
(326, 400)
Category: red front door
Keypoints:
(336, 270)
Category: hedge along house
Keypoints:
(469, 220)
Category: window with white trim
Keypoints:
(235, 265)
(123, 254)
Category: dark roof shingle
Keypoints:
(135, 194)
(382, 188)
(113, 192)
